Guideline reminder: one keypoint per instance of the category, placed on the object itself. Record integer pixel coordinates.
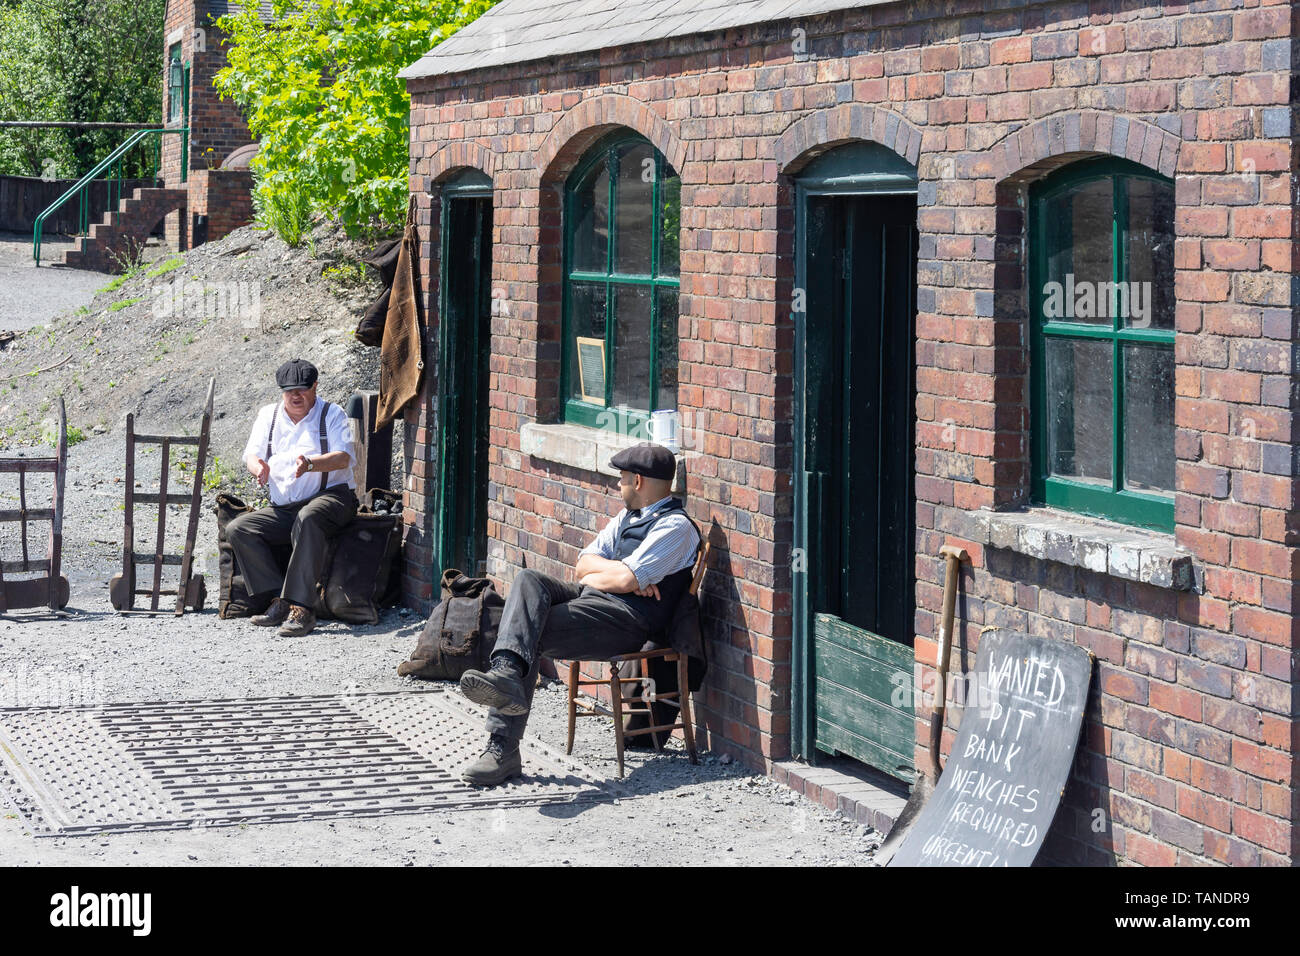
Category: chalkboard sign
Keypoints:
(591, 369)
(994, 802)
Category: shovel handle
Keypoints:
(954, 557)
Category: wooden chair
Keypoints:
(680, 698)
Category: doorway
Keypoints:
(856, 241)
(465, 341)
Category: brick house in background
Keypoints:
(912, 273)
(219, 198)
(206, 184)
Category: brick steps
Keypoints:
(860, 793)
(123, 229)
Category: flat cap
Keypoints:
(647, 458)
(295, 373)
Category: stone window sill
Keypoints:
(1135, 554)
(582, 447)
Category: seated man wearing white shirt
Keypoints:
(301, 449)
(630, 580)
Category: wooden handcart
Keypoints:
(191, 589)
(52, 589)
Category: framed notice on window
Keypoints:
(591, 369)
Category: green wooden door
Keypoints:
(857, 481)
(466, 313)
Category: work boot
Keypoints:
(273, 615)
(498, 763)
(501, 686)
(301, 621)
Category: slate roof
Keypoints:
(221, 8)
(517, 31)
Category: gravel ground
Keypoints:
(135, 359)
(30, 296)
(714, 813)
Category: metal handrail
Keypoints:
(81, 188)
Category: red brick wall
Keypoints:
(225, 196)
(1188, 748)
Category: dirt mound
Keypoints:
(232, 309)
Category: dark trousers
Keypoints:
(546, 617)
(307, 526)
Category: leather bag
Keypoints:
(460, 633)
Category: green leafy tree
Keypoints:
(78, 61)
(319, 88)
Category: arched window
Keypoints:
(621, 224)
(1102, 298)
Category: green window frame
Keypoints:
(1125, 362)
(594, 282)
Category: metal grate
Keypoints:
(185, 764)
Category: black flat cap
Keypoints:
(295, 373)
(647, 458)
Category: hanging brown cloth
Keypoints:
(401, 357)
(370, 330)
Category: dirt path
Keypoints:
(30, 296)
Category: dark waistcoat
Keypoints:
(658, 613)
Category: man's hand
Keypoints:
(261, 471)
(650, 590)
(302, 468)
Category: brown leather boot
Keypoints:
(275, 614)
(499, 762)
(301, 621)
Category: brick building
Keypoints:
(207, 186)
(912, 273)
(219, 199)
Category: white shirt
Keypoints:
(288, 441)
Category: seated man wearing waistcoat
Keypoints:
(630, 580)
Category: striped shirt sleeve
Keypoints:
(603, 546)
(669, 547)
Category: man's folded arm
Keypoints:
(670, 546)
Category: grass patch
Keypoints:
(349, 274)
(219, 474)
(118, 306)
(50, 434)
(173, 263)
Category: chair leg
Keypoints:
(616, 692)
(648, 695)
(573, 702)
(684, 698)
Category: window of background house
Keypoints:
(1102, 296)
(174, 96)
(621, 225)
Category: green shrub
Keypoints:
(286, 210)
